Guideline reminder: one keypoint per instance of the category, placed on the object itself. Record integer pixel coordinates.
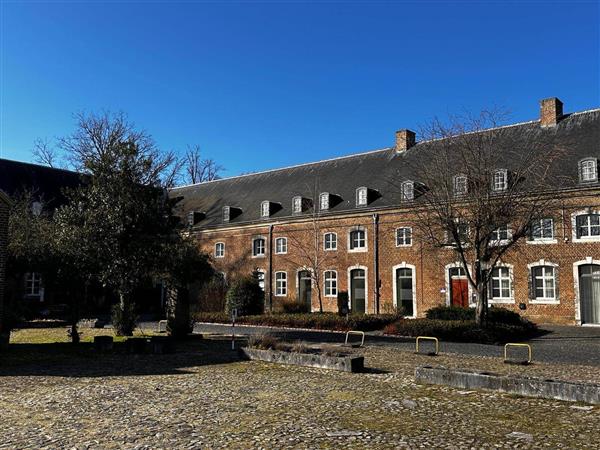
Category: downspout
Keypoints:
(270, 290)
(376, 260)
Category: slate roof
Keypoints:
(579, 132)
(44, 182)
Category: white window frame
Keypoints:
(265, 209)
(35, 280)
(281, 284)
(362, 196)
(574, 226)
(323, 201)
(590, 166)
(335, 240)
(284, 246)
(365, 239)
(226, 214)
(505, 300)
(264, 247)
(543, 300)
(542, 240)
(501, 241)
(297, 208)
(407, 189)
(500, 185)
(330, 284)
(404, 265)
(264, 279)
(410, 236)
(460, 192)
(221, 246)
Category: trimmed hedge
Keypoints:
(463, 330)
(316, 321)
(497, 315)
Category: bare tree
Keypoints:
(44, 154)
(307, 246)
(480, 189)
(198, 169)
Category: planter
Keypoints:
(343, 363)
(162, 344)
(103, 344)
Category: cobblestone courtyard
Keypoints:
(203, 397)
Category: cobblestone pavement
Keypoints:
(204, 397)
(561, 344)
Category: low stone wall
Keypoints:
(526, 386)
(344, 363)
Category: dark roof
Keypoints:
(580, 132)
(44, 182)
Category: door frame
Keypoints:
(349, 271)
(312, 284)
(403, 265)
(447, 268)
(583, 262)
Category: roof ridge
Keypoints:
(40, 166)
(284, 168)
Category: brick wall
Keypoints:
(430, 265)
(3, 244)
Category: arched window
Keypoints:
(408, 191)
(460, 185)
(403, 237)
(588, 170)
(330, 241)
(280, 284)
(362, 196)
(219, 250)
(281, 246)
(324, 201)
(500, 181)
(543, 283)
(258, 247)
(357, 240)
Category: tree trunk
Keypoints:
(123, 317)
(178, 312)
(481, 293)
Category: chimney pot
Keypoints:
(405, 139)
(551, 111)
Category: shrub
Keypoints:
(496, 315)
(264, 342)
(246, 296)
(462, 330)
(124, 319)
(294, 307)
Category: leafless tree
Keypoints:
(97, 134)
(306, 246)
(479, 189)
(198, 169)
(44, 153)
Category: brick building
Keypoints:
(347, 214)
(4, 207)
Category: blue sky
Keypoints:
(260, 85)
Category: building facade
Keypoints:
(348, 219)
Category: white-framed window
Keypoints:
(220, 250)
(226, 213)
(330, 241)
(362, 196)
(500, 235)
(543, 278)
(281, 246)
(324, 201)
(297, 205)
(587, 226)
(33, 284)
(462, 229)
(260, 276)
(403, 237)
(588, 170)
(501, 288)
(408, 191)
(461, 186)
(330, 280)
(542, 230)
(280, 284)
(259, 245)
(500, 181)
(357, 240)
(265, 209)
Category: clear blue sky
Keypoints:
(264, 85)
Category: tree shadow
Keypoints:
(82, 360)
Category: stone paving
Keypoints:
(204, 397)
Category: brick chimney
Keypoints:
(551, 110)
(405, 139)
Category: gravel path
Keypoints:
(205, 397)
(564, 345)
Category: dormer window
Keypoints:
(324, 201)
(588, 170)
(408, 191)
(265, 209)
(500, 181)
(362, 196)
(226, 214)
(297, 205)
(460, 185)
(194, 217)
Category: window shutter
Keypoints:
(531, 284)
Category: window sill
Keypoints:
(258, 256)
(542, 241)
(280, 295)
(281, 253)
(403, 245)
(331, 296)
(358, 250)
(501, 301)
(542, 301)
(586, 239)
(330, 250)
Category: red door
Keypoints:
(459, 290)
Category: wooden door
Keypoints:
(459, 291)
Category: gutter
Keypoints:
(270, 289)
(376, 260)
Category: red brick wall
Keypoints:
(429, 263)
